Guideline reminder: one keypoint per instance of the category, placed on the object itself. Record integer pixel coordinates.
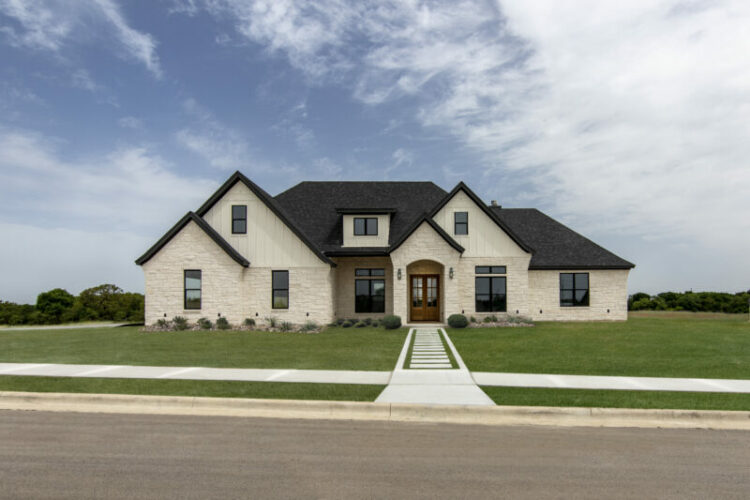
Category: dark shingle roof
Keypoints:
(314, 206)
(555, 245)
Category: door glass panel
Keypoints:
(432, 292)
(416, 292)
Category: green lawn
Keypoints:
(522, 396)
(213, 388)
(334, 349)
(679, 345)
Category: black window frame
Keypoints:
(495, 304)
(368, 305)
(457, 224)
(490, 270)
(377, 271)
(275, 289)
(366, 226)
(242, 219)
(573, 301)
(186, 289)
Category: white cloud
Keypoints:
(618, 116)
(53, 25)
(130, 122)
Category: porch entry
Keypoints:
(425, 297)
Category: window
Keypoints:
(369, 272)
(239, 219)
(489, 269)
(365, 226)
(461, 220)
(490, 294)
(192, 289)
(369, 296)
(574, 289)
(280, 289)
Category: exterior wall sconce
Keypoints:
(450, 273)
(398, 273)
(218, 315)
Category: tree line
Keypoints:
(104, 302)
(690, 301)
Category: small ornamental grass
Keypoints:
(205, 324)
(180, 323)
(249, 322)
(286, 326)
(222, 323)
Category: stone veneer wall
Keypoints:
(344, 285)
(608, 296)
(227, 287)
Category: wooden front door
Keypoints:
(425, 297)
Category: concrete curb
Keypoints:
(395, 412)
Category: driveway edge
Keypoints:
(396, 412)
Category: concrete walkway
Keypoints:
(428, 351)
(431, 385)
(612, 383)
(197, 373)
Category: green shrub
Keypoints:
(368, 321)
(180, 323)
(205, 324)
(249, 322)
(222, 323)
(518, 319)
(162, 323)
(457, 321)
(391, 322)
(286, 326)
(487, 319)
(360, 324)
(473, 319)
(375, 323)
(340, 321)
(346, 324)
(272, 321)
(309, 326)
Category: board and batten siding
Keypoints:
(485, 238)
(378, 240)
(268, 242)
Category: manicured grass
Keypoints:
(522, 396)
(684, 346)
(333, 349)
(212, 388)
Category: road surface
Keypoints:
(77, 455)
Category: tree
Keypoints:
(53, 304)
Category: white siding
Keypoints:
(379, 240)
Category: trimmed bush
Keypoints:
(360, 324)
(205, 324)
(346, 324)
(457, 321)
(222, 323)
(180, 323)
(286, 326)
(391, 322)
(249, 322)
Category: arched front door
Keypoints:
(424, 297)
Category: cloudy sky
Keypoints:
(628, 121)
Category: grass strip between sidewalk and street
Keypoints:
(206, 388)
(672, 400)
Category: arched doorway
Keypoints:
(425, 290)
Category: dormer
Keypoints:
(365, 227)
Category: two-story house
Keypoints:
(325, 250)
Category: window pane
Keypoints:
(192, 279)
(377, 304)
(482, 285)
(498, 303)
(280, 299)
(566, 297)
(372, 226)
(377, 272)
(566, 281)
(462, 217)
(378, 287)
(483, 303)
(239, 226)
(461, 228)
(498, 270)
(239, 211)
(482, 269)
(281, 279)
(582, 281)
(498, 285)
(362, 287)
(361, 272)
(359, 226)
(582, 297)
(192, 299)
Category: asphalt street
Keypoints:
(78, 455)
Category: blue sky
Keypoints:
(630, 122)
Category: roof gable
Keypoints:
(434, 225)
(192, 217)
